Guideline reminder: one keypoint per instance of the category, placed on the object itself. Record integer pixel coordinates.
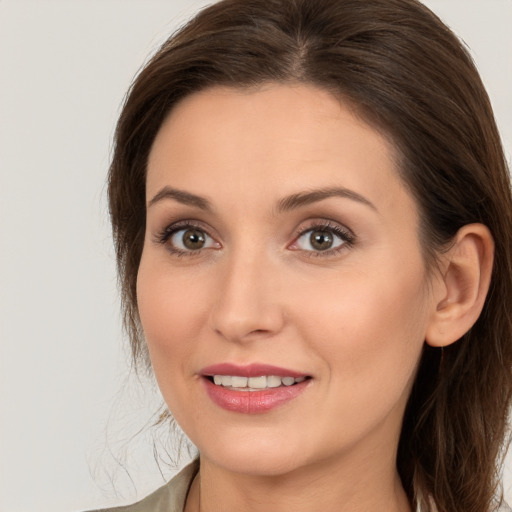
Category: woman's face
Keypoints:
(281, 247)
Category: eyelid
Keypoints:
(209, 242)
(337, 229)
(164, 235)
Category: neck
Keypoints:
(371, 485)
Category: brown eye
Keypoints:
(193, 239)
(190, 239)
(321, 240)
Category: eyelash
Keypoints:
(164, 236)
(348, 238)
(344, 234)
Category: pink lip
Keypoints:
(251, 370)
(251, 402)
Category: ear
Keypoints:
(460, 293)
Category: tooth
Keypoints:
(254, 383)
(273, 381)
(257, 382)
(239, 382)
(226, 380)
(288, 381)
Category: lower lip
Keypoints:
(253, 402)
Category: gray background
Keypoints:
(67, 411)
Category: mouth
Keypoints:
(254, 388)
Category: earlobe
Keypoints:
(464, 283)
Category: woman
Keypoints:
(313, 219)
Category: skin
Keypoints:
(354, 319)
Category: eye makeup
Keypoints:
(326, 238)
(317, 238)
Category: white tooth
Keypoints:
(226, 380)
(257, 382)
(254, 383)
(239, 382)
(273, 381)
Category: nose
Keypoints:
(247, 305)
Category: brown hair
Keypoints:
(405, 72)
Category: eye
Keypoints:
(186, 239)
(322, 239)
(319, 240)
(191, 239)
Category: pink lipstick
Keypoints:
(254, 388)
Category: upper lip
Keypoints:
(250, 370)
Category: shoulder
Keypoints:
(168, 498)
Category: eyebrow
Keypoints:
(288, 203)
(182, 197)
(305, 198)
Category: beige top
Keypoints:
(169, 498)
(172, 496)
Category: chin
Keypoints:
(250, 455)
(259, 465)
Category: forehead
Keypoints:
(268, 142)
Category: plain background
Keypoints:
(67, 411)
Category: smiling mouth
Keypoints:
(253, 389)
(260, 383)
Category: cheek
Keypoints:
(172, 324)
(370, 330)
(170, 316)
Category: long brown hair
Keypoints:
(406, 73)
